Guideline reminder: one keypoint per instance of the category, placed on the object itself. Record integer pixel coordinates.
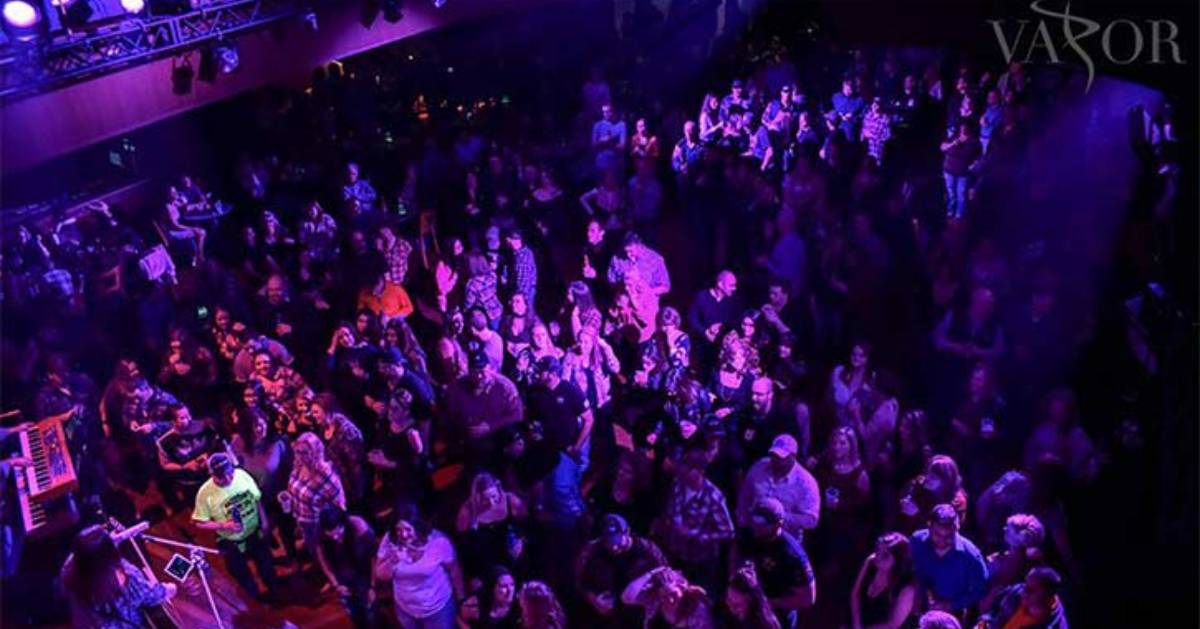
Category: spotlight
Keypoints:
(437, 4)
(133, 6)
(21, 20)
(311, 19)
(20, 14)
(227, 57)
(393, 11)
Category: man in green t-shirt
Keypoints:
(230, 503)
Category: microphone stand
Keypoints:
(195, 555)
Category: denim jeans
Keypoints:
(237, 560)
(956, 194)
(444, 618)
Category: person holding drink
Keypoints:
(230, 504)
(313, 486)
(423, 568)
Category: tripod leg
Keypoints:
(202, 565)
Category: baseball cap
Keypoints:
(219, 463)
(477, 360)
(549, 364)
(767, 511)
(784, 446)
(512, 233)
(613, 529)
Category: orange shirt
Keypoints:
(393, 302)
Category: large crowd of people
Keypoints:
(486, 395)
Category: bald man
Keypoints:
(715, 309)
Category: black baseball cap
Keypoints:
(549, 364)
(477, 360)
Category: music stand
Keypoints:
(195, 555)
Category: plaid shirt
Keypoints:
(125, 610)
(312, 493)
(524, 274)
(649, 265)
(876, 130)
(319, 236)
(481, 291)
(696, 522)
(397, 261)
(281, 384)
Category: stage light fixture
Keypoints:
(133, 6)
(22, 20)
(437, 4)
(21, 14)
(393, 11)
(227, 57)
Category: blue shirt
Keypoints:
(853, 105)
(689, 155)
(605, 131)
(992, 117)
(563, 502)
(959, 577)
(362, 191)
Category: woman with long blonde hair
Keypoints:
(313, 486)
(489, 526)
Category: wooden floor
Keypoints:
(303, 603)
(29, 599)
